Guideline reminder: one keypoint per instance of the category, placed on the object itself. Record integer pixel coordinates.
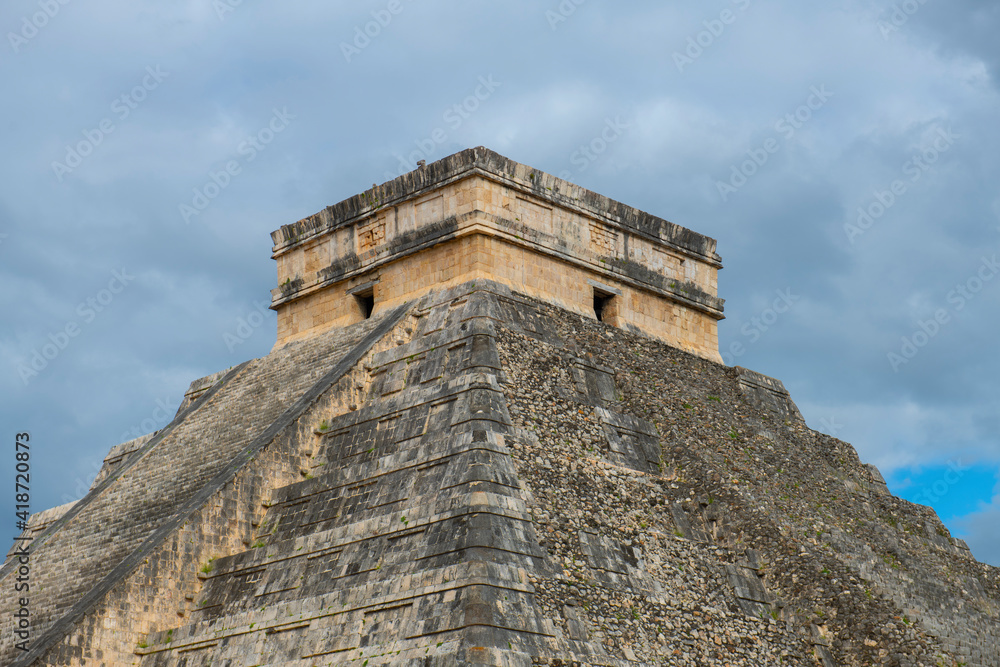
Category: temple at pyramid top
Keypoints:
(478, 215)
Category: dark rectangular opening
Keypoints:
(601, 302)
(366, 303)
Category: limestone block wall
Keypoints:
(477, 215)
(488, 258)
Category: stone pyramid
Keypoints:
(494, 431)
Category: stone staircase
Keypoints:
(153, 491)
(407, 540)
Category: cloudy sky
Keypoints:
(844, 155)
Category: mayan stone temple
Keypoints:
(495, 430)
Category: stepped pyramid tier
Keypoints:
(479, 475)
